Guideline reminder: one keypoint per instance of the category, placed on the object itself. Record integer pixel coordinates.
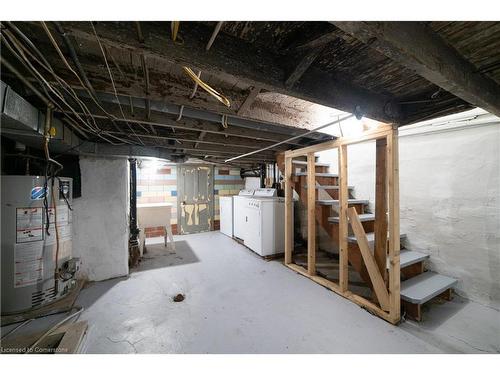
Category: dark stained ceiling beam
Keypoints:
(417, 47)
(234, 58)
(302, 66)
(317, 42)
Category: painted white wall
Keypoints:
(449, 196)
(100, 218)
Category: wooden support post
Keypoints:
(288, 211)
(380, 225)
(387, 296)
(311, 214)
(375, 276)
(394, 245)
(343, 224)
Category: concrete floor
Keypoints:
(238, 303)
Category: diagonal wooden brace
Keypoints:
(375, 275)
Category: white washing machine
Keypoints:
(226, 215)
(239, 212)
(265, 193)
(265, 229)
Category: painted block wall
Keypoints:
(227, 182)
(449, 199)
(100, 218)
(157, 183)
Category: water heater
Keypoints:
(30, 217)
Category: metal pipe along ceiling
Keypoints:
(292, 138)
(199, 114)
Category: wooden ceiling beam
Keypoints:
(214, 35)
(415, 46)
(302, 66)
(237, 59)
(252, 95)
(317, 42)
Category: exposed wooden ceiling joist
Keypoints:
(417, 47)
(235, 58)
(254, 91)
(304, 64)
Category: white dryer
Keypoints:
(226, 215)
(239, 212)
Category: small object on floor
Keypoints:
(179, 298)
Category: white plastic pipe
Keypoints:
(291, 139)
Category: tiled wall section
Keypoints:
(227, 182)
(158, 185)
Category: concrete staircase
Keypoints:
(417, 285)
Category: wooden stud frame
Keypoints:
(387, 193)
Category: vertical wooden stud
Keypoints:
(288, 211)
(311, 214)
(380, 225)
(343, 223)
(394, 245)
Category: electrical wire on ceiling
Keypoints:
(113, 84)
(65, 61)
(20, 51)
(221, 98)
(38, 76)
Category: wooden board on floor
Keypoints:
(67, 339)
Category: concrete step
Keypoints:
(371, 238)
(335, 202)
(329, 187)
(317, 174)
(409, 257)
(304, 163)
(424, 287)
(362, 217)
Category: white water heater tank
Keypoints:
(28, 254)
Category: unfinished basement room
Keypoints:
(250, 187)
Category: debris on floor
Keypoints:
(178, 298)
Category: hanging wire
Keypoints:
(221, 98)
(19, 53)
(113, 83)
(61, 55)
